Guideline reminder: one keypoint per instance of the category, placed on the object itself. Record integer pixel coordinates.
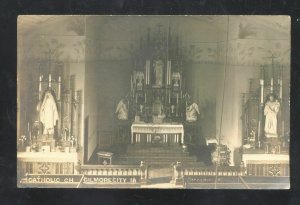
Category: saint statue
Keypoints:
(140, 78)
(192, 111)
(158, 72)
(271, 109)
(122, 110)
(48, 113)
(176, 80)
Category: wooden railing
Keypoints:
(110, 170)
(181, 173)
(212, 171)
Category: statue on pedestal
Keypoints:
(158, 72)
(192, 112)
(122, 110)
(176, 80)
(48, 113)
(270, 111)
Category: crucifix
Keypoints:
(272, 57)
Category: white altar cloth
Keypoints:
(150, 129)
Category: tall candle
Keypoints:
(49, 80)
(280, 91)
(59, 87)
(261, 91)
(271, 85)
(40, 88)
(177, 98)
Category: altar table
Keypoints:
(147, 132)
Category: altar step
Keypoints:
(161, 155)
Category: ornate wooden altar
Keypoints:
(157, 96)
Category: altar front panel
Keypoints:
(149, 132)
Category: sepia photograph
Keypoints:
(153, 101)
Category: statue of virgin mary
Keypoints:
(48, 113)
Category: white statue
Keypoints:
(48, 113)
(140, 77)
(122, 110)
(271, 109)
(158, 71)
(191, 112)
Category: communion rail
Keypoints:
(110, 170)
(212, 171)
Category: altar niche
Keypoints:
(53, 119)
(158, 103)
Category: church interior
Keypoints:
(202, 92)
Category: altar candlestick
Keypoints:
(261, 91)
(169, 98)
(280, 84)
(131, 83)
(280, 89)
(59, 87)
(145, 74)
(282, 128)
(271, 85)
(40, 88)
(170, 73)
(145, 98)
(177, 96)
(49, 80)
(167, 74)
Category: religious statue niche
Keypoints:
(176, 81)
(158, 67)
(139, 81)
(55, 123)
(264, 111)
(270, 112)
(48, 113)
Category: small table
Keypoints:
(105, 158)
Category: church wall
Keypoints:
(203, 93)
(113, 84)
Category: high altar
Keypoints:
(157, 106)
